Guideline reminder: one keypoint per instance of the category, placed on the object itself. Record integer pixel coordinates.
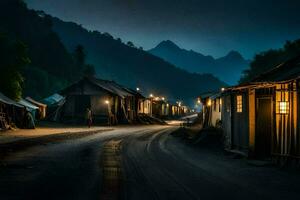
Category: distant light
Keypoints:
(209, 102)
(156, 98)
(222, 89)
(198, 101)
(151, 95)
(106, 102)
(163, 98)
(137, 89)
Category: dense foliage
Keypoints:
(269, 59)
(51, 66)
(13, 59)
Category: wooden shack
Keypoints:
(211, 109)
(108, 101)
(145, 106)
(261, 118)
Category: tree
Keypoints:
(267, 60)
(79, 58)
(129, 43)
(13, 58)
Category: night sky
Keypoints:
(211, 27)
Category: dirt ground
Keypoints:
(45, 129)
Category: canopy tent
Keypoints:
(53, 99)
(29, 107)
(42, 107)
(6, 100)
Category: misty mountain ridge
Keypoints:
(134, 67)
(227, 68)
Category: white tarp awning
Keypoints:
(28, 105)
(9, 101)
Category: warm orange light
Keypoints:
(106, 102)
(284, 107)
(209, 102)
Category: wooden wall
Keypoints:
(227, 120)
(240, 126)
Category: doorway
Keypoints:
(263, 127)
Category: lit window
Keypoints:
(239, 103)
(283, 107)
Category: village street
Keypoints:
(139, 162)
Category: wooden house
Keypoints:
(108, 101)
(145, 106)
(160, 108)
(174, 110)
(211, 109)
(261, 118)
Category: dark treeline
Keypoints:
(51, 66)
(267, 60)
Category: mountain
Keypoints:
(227, 68)
(132, 66)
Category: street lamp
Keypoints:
(151, 95)
(198, 101)
(106, 102)
(137, 89)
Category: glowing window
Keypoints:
(239, 103)
(283, 107)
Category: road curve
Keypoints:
(161, 166)
(139, 162)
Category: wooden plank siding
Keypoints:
(241, 129)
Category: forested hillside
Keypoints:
(267, 60)
(57, 52)
(51, 66)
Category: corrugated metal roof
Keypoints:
(111, 86)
